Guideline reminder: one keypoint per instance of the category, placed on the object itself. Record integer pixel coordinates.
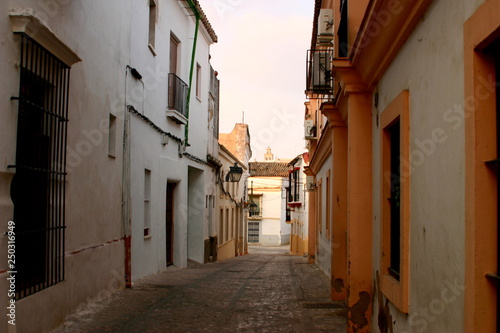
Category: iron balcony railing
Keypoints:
(293, 190)
(177, 94)
(214, 101)
(319, 74)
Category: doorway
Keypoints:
(169, 224)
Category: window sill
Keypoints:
(147, 233)
(176, 116)
(394, 291)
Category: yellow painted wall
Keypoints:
(226, 250)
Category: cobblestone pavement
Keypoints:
(264, 291)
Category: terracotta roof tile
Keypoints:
(268, 169)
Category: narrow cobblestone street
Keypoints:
(265, 291)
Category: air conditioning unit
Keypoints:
(325, 27)
(322, 70)
(310, 184)
(309, 129)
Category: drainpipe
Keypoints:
(126, 190)
(196, 13)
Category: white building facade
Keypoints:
(105, 173)
(170, 136)
(267, 224)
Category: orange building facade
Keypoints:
(402, 119)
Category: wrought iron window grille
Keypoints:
(38, 188)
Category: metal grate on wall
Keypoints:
(214, 95)
(38, 187)
(177, 94)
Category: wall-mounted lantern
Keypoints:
(234, 174)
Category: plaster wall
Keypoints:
(164, 164)
(94, 249)
(226, 251)
(273, 229)
(430, 66)
(173, 173)
(324, 248)
(237, 241)
(198, 107)
(238, 141)
(196, 215)
(150, 98)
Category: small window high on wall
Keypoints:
(152, 25)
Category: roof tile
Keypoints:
(268, 169)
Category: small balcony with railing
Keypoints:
(320, 79)
(177, 99)
(294, 188)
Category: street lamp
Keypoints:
(234, 174)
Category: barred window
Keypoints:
(293, 190)
(255, 206)
(253, 232)
(38, 187)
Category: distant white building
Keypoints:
(267, 184)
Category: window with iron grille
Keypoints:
(38, 187)
(213, 99)
(494, 51)
(343, 30)
(253, 232)
(255, 206)
(152, 24)
(395, 200)
(177, 94)
(198, 81)
(293, 191)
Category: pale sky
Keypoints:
(261, 60)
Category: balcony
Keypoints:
(177, 99)
(294, 188)
(309, 130)
(319, 74)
